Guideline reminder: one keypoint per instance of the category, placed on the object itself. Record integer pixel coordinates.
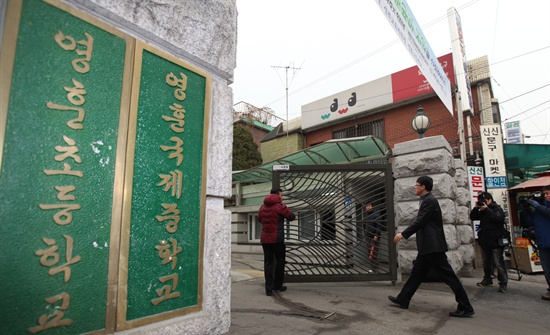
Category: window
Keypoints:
(254, 228)
(344, 133)
(374, 128)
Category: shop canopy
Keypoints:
(543, 179)
(535, 156)
(339, 151)
(526, 160)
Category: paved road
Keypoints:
(363, 307)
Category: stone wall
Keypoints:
(432, 156)
(282, 146)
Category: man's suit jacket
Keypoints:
(428, 227)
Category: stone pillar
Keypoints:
(432, 156)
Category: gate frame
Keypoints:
(278, 170)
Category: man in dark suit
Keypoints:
(431, 245)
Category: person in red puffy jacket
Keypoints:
(272, 215)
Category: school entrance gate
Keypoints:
(330, 239)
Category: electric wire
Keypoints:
(437, 20)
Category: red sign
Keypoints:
(411, 82)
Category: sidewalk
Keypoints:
(363, 307)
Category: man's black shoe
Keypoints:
(281, 289)
(461, 314)
(269, 293)
(394, 300)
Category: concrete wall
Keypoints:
(432, 156)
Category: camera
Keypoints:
(537, 196)
(481, 199)
(523, 202)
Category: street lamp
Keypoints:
(420, 122)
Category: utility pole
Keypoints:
(286, 91)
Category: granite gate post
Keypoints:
(432, 156)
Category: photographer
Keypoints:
(539, 217)
(490, 235)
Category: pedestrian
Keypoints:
(490, 234)
(272, 215)
(374, 229)
(539, 217)
(431, 245)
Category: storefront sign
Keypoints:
(493, 155)
(513, 132)
(405, 84)
(476, 185)
(496, 182)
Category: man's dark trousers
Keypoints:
(438, 261)
(274, 265)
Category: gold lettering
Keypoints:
(166, 254)
(63, 217)
(171, 226)
(54, 319)
(66, 170)
(60, 38)
(172, 80)
(76, 94)
(63, 193)
(71, 123)
(167, 292)
(81, 65)
(172, 181)
(177, 148)
(49, 257)
(179, 115)
(69, 151)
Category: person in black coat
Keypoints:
(489, 237)
(431, 245)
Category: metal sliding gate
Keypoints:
(329, 240)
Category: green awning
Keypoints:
(527, 156)
(339, 151)
(525, 160)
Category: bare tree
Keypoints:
(265, 115)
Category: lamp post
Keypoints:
(420, 122)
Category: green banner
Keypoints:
(167, 194)
(57, 173)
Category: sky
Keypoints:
(315, 48)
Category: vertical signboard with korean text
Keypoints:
(493, 156)
(513, 132)
(62, 95)
(476, 184)
(163, 218)
(495, 169)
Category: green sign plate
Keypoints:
(163, 228)
(58, 170)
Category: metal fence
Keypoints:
(330, 239)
